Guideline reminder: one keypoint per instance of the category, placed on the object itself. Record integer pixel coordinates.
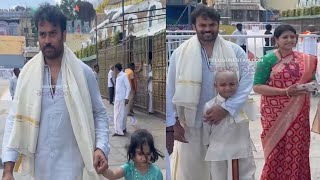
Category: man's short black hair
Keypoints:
(132, 65)
(16, 69)
(118, 66)
(205, 11)
(95, 66)
(268, 27)
(239, 25)
(52, 14)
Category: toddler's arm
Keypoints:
(113, 174)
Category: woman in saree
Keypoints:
(285, 109)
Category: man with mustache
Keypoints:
(57, 128)
(191, 73)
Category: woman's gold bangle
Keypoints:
(287, 93)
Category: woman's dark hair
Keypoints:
(138, 139)
(118, 66)
(52, 14)
(283, 28)
(205, 11)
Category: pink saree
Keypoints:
(285, 122)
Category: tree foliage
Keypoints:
(307, 11)
(86, 11)
(19, 8)
(68, 8)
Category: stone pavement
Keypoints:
(117, 155)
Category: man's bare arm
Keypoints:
(8, 168)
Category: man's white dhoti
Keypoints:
(228, 140)
(150, 106)
(168, 169)
(125, 116)
(119, 116)
(223, 169)
(184, 153)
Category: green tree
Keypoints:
(115, 39)
(86, 11)
(19, 8)
(68, 8)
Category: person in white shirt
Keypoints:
(13, 81)
(120, 101)
(111, 82)
(229, 157)
(241, 41)
(310, 44)
(150, 78)
(96, 72)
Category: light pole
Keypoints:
(97, 41)
(123, 35)
(229, 14)
(122, 17)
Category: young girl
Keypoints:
(141, 154)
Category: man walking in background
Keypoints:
(111, 82)
(310, 43)
(120, 101)
(131, 77)
(241, 41)
(269, 42)
(96, 72)
(150, 79)
(13, 81)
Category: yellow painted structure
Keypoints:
(74, 40)
(12, 44)
(281, 5)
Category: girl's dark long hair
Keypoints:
(138, 139)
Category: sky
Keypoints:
(5, 4)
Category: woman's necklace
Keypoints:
(282, 57)
(137, 172)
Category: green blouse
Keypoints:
(131, 173)
(263, 68)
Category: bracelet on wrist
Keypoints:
(287, 93)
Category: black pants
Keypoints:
(244, 47)
(111, 94)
